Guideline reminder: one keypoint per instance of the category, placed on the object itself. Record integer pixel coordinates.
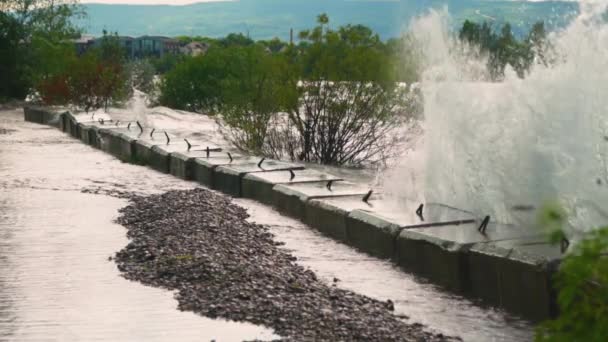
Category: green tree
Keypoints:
(13, 83)
(252, 95)
(503, 48)
(235, 39)
(29, 30)
(196, 83)
(343, 99)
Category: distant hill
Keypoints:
(264, 19)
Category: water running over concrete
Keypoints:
(78, 166)
(413, 297)
(56, 282)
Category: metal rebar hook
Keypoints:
(141, 128)
(229, 156)
(329, 184)
(292, 175)
(260, 163)
(168, 139)
(484, 225)
(117, 123)
(367, 196)
(188, 143)
(564, 244)
(207, 150)
(152, 132)
(129, 126)
(419, 212)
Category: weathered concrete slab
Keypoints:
(374, 229)
(182, 163)
(160, 156)
(516, 275)
(204, 168)
(228, 178)
(258, 185)
(73, 121)
(113, 140)
(291, 199)
(31, 114)
(142, 150)
(89, 133)
(41, 115)
(440, 253)
(328, 215)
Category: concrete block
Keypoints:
(160, 154)
(291, 199)
(228, 178)
(142, 150)
(41, 115)
(372, 233)
(63, 121)
(114, 141)
(440, 252)
(516, 275)
(375, 227)
(32, 114)
(258, 185)
(182, 163)
(329, 215)
(204, 168)
(159, 159)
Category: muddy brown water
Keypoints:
(57, 284)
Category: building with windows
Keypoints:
(145, 46)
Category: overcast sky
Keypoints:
(147, 2)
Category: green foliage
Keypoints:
(196, 83)
(13, 83)
(166, 63)
(96, 79)
(142, 74)
(504, 49)
(344, 108)
(32, 41)
(582, 282)
(235, 39)
(332, 99)
(252, 95)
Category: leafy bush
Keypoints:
(94, 80)
(344, 107)
(505, 49)
(252, 96)
(196, 83)
(582, 282)
(28, 30)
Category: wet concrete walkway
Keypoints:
(56, 282)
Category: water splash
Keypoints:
(491, 147)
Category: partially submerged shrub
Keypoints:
(582, 284)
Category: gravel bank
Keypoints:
(200, 244)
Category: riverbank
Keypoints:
(198, 243)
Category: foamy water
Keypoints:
(489, 147)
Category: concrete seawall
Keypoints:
(505, 266)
